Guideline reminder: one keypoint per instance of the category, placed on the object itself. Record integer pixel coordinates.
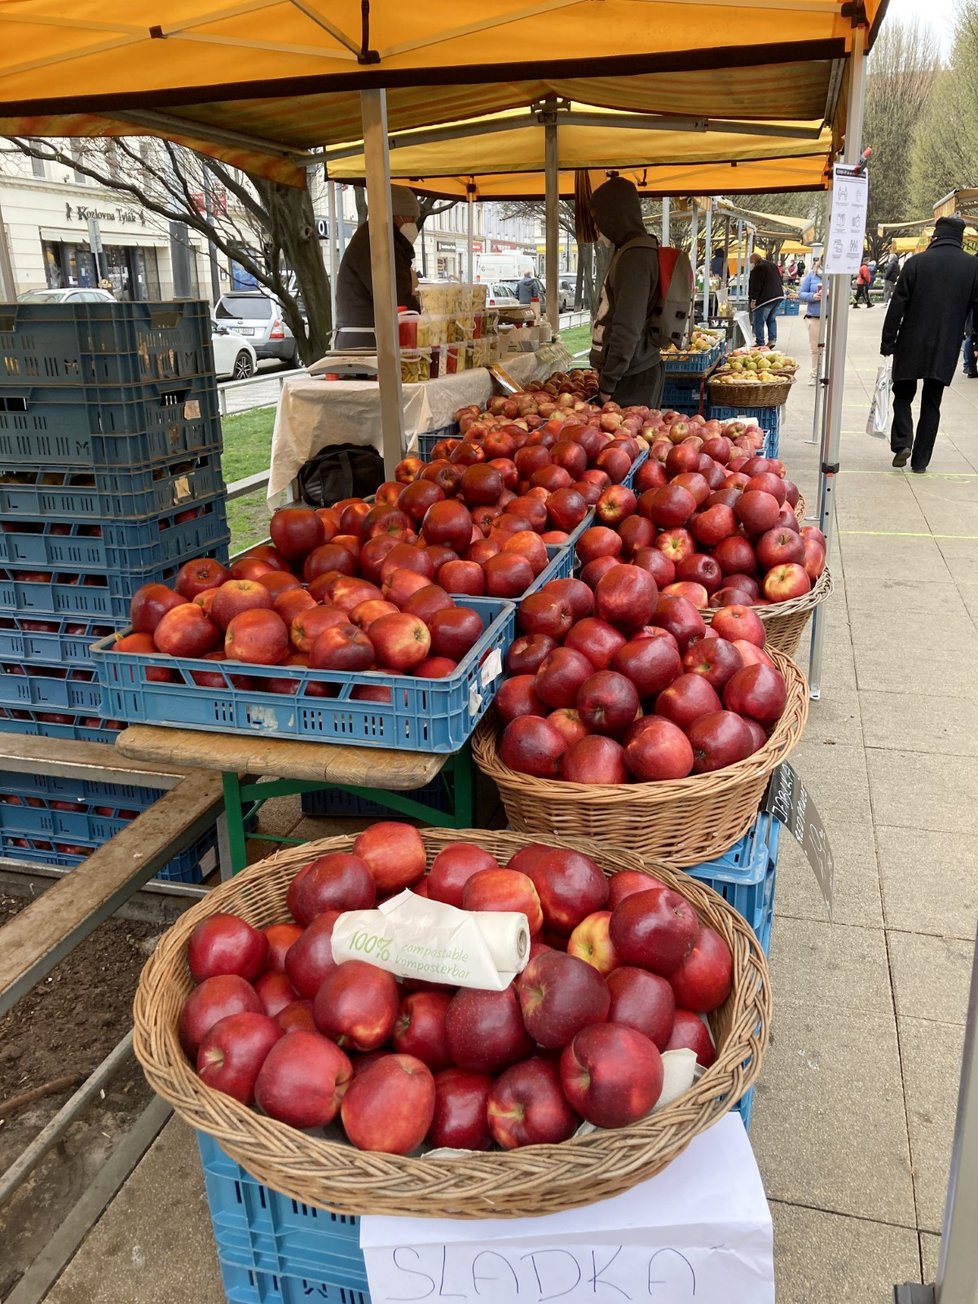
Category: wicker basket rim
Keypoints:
(786, 733)
(820, 590)
(458, 1185)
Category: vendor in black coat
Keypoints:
(354, 281)
(937, 293)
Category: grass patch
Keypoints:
(247, 450)
(577, 338)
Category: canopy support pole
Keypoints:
(470, 233)
(373, 107)
(694, 240)
(665, 221)
(333, 245)
(838, 333)
(553, 220)
(707, 258)
(741, 289)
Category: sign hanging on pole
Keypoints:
(847, 225)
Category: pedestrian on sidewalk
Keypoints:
(765, 292)
(864, 279)
(891, 274)
(810, 294)
(936, 296)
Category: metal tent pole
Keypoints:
(333, 245)
(818, 416)
(373, 107)
(835, 364)
(665, 221)
(694, 239)
(957, 1269)
(707, 257)
(553, 219)
(470, 232)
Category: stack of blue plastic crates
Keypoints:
(745, 877)
(110, 448)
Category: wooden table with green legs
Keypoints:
(257, 769)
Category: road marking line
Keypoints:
(909, 534)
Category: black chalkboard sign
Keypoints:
(790, 802)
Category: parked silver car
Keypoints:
(71, 294)
(259, 318)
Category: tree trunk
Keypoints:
(293, 230)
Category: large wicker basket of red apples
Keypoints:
(344, 1088)
(629, 720)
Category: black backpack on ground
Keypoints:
(340, 471)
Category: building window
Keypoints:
(77, 153)
(37, 164)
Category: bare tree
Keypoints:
(902, 81)
(944, 155)
(267, 228)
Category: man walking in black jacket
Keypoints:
(765, 291)
(936, 295)
(629, 366)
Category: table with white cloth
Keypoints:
(313, 412)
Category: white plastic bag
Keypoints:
(878, 421)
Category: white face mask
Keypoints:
(409, 231)
(605, 242)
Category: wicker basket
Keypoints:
(738, 394)
(801, 507)
(506, 1184)
(681, 821)
(784, 622)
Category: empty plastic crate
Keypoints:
(335, 802)
(68, 344)
(270, 1234)
(123, 795)
(66, 493)
(427, 715)
(192, 865)
(107, 426)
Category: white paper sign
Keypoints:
(847, 225)
(699, 1233)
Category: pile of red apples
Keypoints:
(611, 681)
(620, 971)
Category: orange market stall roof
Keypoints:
(504, 154)
(262, 82)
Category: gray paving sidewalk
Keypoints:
(853, 1116)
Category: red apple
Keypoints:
(686, 699)
(233, 1052)
(296, 532)
(547, 614)
(454, 632)
(598, 541)
(400, 642)
(680, 618)
(594, 759)
(643, 1001)
(517, 697)
(257, 637)
(394, 853)
(701, 569)
(338, 881)
(780, 583)
(560, 677)
(527, 1106)
(756, 691)
(460, 1121)
(689, 1032)
(658, 749)
(625, 596)
(503, 889)
(779, 547)
(719, 739)
(814, 559)
(195, 577)
(214, 999)
(626, 883)
(569, 884)
(485, 1030)
(149, 605)
(343, 647)
(528, 652)
(453, 867)
(559, 995)
(738, 622)
(591, 942)
(302, 1080)
(651, 663)
(716, 659)
(356, 1005)
(420, 1028)
(668, 507)
(275, 992)
(611, 1074)
(607, 702)
(462, 577)
(185, 631)
(226, 944)
(704, 979)
(654, 930)
(448, 523)
(279, 938)
(310, 958)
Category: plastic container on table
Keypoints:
(425, 715)
(407, 328)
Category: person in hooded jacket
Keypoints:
(354, 281)
(628, 363)
(936, 295)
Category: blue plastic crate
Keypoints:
(50, 688)
(69, 344)
(336, 802)
(261, 1229)
(768, 418)
(107, 426)
(744, 1107)
(68, 493)
(745, 875)
(427, 440)
(33, 723)
(689, 364)
(61, 640)
(160, 540)
(245, 1286)
(684, 396)
(792, 307)
(192, 865)
(125, 796)
(89, 595)
(428, 715)
(82, 824)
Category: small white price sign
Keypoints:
(847, 225)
